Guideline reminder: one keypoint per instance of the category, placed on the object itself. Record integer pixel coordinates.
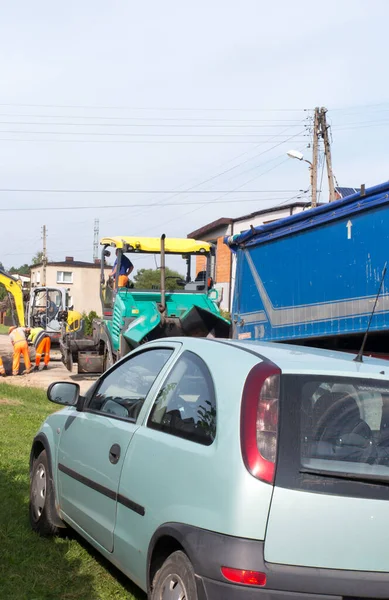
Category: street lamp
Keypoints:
(300, 156)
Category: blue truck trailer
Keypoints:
(313, 278)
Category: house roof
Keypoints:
(198, 233)
(71, 264)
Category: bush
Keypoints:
(225, 314)
(88, 321)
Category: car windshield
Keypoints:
(345, 426)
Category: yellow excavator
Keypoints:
(44, 307)
(14, 288)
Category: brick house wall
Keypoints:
(201, 264)
(223, 262)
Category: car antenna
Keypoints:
(359, 357)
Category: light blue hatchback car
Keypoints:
(225, 470)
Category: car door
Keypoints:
(93, 443)
(167, 459)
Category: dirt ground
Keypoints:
(42, 379)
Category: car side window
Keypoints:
(186, 403)
(123, 391)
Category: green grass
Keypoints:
(3, 329)
(34, 568)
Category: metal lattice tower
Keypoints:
(96, 240)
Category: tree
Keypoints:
(38, 258)
(22, 270)
(148, 279)
(88, 321)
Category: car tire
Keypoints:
(42, 504)
(175, 579)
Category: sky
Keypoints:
(113, 103)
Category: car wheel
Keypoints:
(175, 580)
(42, 503)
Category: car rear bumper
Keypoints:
(208, 589)
(209, 551)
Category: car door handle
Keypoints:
(114, 454)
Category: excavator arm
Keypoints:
(13, 287)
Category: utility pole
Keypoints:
(315, 149)
(327, 151)
(44, 255)
(96, 240)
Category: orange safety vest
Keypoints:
(17, 335)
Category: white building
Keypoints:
(81, 280)
(225, 260)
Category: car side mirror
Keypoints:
(64, 393)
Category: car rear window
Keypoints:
(344, 426)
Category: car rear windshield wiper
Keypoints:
(362, 477)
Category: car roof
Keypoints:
(301, 359)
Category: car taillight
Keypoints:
(244, 577)
(259, 420)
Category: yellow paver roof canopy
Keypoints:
(153, 245)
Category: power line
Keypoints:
(360, 106)
(297, 196)
(248, 160)
(94, 133)
(204, 181)
(143, 108)
(170, 119)
(263, 164)
(226, 170)
(115, 206)
(218, 199)
(346, 128)
(379, 122)
(111, 141)
(188, 191)
(197, 126)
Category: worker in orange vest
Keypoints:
(2, 370)
(41, 340)
(19, 342)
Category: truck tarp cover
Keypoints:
(314, 274)
(374, 197)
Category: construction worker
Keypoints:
(42, 343)
(19, 342)
(126, 268)
(2, 370)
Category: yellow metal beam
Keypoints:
(153, 245)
